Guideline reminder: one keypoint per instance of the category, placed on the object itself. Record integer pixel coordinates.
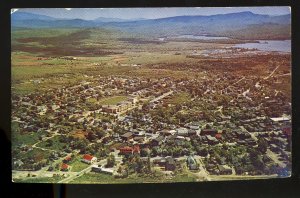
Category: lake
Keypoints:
(268, 45)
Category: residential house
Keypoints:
(127, 150)
(98, 169)
(64, 167)
(170, 164)
(160, 162)
(67, 159)
(211, 140)
(192, 132)
(182, 131)
(224, 169)
(158, 141)
(211, 132)
(165, 132)
(89, 159)
(127, 136)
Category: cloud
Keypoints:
(68, 8)
(13, 10)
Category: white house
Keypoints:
(89, 159)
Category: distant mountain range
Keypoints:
(214, 24)
(104, 19)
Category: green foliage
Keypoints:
(110, 161)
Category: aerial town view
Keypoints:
(150, 95)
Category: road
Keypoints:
(265, 78)
(161, 97)
(55, 133)
(241, 177)
(88, 169)
(203, 172)
(288, 74)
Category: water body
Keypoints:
(202, 37)
(268, 45)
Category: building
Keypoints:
(98, 169)
(165, 132)
(211, 132)
(182, 131)
(127, 136)
(166, 162)
(212, 140)
(225, 170)
(67, 159)
(192, 132)
(110, 108)
(170, 164)
(124, 105)
(160, 162)
(192, 163)
(158, 141)
(64, 167)
(89, 159)
(127, 150)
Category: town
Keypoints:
(122, 125)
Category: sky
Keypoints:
(149, 13)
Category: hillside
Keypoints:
(247, 23)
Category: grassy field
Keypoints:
(39, 180)
(100, 178)
(77, 165)
(179, 98)
(56, 144)
(26, 138)
(36, 154)
(112, 100)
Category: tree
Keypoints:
(91, 136)
(144, 152)
(110, 161)
(49, 143)
(256, 159)
(262, 146)
(100, 134)
(155, 151)
(177, 151)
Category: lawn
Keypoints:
(27, 138)
(77, 165)
(179, 98)
(36, 154)
(56, 144)
(100, 178)
(112, 100)
(39, 180)
(92, 100)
